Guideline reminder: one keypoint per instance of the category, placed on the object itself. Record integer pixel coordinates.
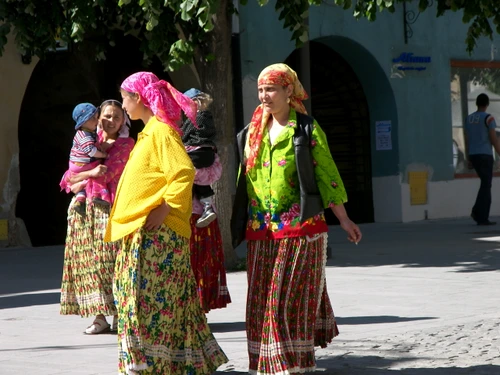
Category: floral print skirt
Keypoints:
(288, 309)
(161, 326)
(207, 260)
(89, 262)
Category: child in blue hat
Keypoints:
(84, 156)
(199, 142)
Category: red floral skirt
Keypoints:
(207, 261)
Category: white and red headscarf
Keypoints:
(276, 74)
(162, 98)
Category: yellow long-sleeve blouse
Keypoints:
(158, 169)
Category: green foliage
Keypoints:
(168, 29)
(174, 30)
(478, 14)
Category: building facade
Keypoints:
(391, 96)
(36, 129)
(14, 76)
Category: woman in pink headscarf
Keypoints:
(161, 326)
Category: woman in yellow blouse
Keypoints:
(288, 309)
(161, 326)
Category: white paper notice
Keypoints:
(383, 138)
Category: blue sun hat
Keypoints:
(82, 113)
(192, 93)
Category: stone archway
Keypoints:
(349, 86)
(46, 128)
(340, 107)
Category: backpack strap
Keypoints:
(241, 139)
(239, 214)
(311, 203)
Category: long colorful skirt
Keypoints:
(288, 309)
(161, 326)
(89, 262)
(207, 260)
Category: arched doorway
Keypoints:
(46, 128)
(340, 106)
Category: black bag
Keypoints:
(310, 199)
(311, 203)
(239, 216)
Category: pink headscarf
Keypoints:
(162, 98)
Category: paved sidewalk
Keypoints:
(413, 299)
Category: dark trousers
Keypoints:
(483, 164)
(202, 158)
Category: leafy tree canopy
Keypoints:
(173, 30)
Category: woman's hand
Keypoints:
(105, 146)
(353, 231)
(79, 186)
(98, 171)
(157, 216)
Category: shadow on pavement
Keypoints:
(227, 327)
(378, 365)
(472, 370)
(356, 320)
(65, 347)
(442, 243)
(30, 269)
(10, 302)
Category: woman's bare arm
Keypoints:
(353, 231)
(96, 172)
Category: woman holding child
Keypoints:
(87, 284)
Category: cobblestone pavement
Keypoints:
(411, 299)
(472, 348)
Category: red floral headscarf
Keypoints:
(162, 98)
(276, 74)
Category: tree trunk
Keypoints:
(216, 79)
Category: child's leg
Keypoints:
(81, 196)
(206, 202)
(208, 214)
(80, 205)
(202, 191)
(98, 191)
(203, 157)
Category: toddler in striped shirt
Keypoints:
(84, 156)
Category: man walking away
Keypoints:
(480, 137)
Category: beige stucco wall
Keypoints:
(14, 78)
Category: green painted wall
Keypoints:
(418, 106)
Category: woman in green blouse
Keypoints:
(288, 309)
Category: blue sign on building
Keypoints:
(407, 62)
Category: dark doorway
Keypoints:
(341, 109)
(46, 128)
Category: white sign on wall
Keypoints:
(383, 135)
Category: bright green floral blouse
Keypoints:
(273, 186)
